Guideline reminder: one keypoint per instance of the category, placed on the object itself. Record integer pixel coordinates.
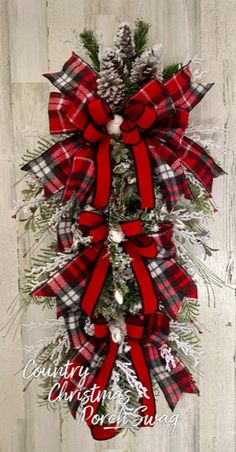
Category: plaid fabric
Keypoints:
(74, 72)
(64, 233)
(82, 177)
(173, 384)
(58, 107)
(171, 130)
(78, 113)
(166, 179)
(94, 366)
(156, 96)
(68, 114)
(57, 166)
(69, 282)
(174, 184)
(91, 352)
(185, 93)
(171, 281)
(75, 328)
(201, 164)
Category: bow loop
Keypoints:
(93, 133)
(100, 112)
(145, 246)
(147, 118)
(93, 225)
(142, 115)
(132, 228)
(157, 329)
(101, 330)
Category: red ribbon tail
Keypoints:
(141, 369)
(95, 284)
(103, 175)
(144, 175)
(143, 278)
(105, 431)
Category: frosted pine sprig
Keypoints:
(189, 350)
(39, 274)
(131, 377)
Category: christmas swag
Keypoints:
(122, 191)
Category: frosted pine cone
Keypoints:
(147, 66)
(110, 80)
(124, 41)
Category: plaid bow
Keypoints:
(146, 335)
(154, 121)
(94, 262)
(158, 275)
(89, 114)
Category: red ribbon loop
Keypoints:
(92, 133)
(100, 112)
(132, 228)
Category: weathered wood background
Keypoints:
(32, 40)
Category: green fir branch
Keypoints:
(141, 33)
(90, 43)
(170, 70)
(41, 146)
(189, 312)
(41, 215)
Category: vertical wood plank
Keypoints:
(217, 402)
(12, 428)
(29, 95)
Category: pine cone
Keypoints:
(124, 41)
(147, 66)
(111, 87)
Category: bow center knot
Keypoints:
(116, 235)
(113, 126)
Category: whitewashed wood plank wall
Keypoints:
(32, 35)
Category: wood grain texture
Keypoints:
(32, 40)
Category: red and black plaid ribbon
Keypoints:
(145, 336)
(159, 277)
(154, 121)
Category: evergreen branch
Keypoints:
(189, 311)
(131, 88)
(141, 32)
(170, 70)
(41, 146)
(90, 43)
